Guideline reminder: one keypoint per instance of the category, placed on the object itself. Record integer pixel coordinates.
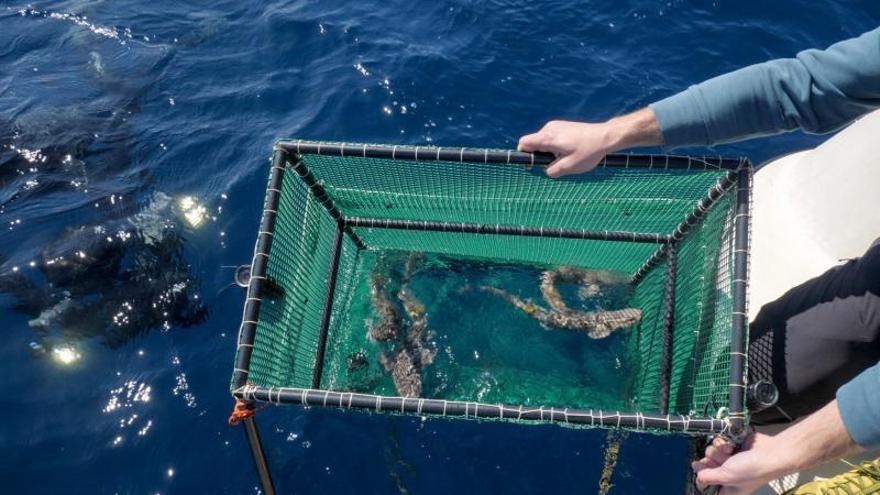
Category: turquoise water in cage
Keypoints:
(160, 97)
(486, 349)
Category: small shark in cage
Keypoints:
(390, 322)
(415, 351)
(405, 371)
(596, 324)
(418, 335)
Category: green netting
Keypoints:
(700, 372)
(637, 200)
(633, 200)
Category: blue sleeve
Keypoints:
(859, 405)
(818, 91)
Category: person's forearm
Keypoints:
(639, 128)
(819, 438)
(817, 91)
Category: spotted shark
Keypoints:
(590, 283)
(413, 349)
(389, 324)
(596, 324)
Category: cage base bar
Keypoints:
(328, 307)
(478, 410)
(476, 228)
(494, 156)
(668, 326)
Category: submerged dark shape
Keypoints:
(415, 351)
(389, 323)
(110, 281)
(73, 146)
(418, 336)
(44, 156)
(405, 371)
(596, 324)
(357, 361)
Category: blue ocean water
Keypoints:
(134, 139)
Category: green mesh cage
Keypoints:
(677, 225)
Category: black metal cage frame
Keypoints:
(287, 156)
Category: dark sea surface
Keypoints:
(134, 139)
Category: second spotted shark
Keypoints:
(596, 324)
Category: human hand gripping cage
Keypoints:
(679, 225)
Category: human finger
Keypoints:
(561, 167)
(712, 476)
(723, 444)
(703, 463)
(719, 447)
(532, 142)
(718, 454)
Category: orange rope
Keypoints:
(241, 411)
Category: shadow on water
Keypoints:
(111, 280)
(107, 261)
